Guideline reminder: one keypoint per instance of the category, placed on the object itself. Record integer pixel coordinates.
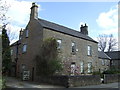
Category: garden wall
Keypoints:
(110, 78)
(71, 81)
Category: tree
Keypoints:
(48, 61)
(3, 10)
(6, 55)
(106, 42)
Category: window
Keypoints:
(81, 67)
(24, 48)
(73, 66)
(89, 67)
(11, 52)
(73, 47)
(103, 62)
(27, 33)
(89, 50)
(59, 43)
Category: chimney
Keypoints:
(34, 11)
(84, 29)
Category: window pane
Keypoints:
(59, 44)
(27, 33)
(89, 50)
(11, 52)
(24, 48)
(89, 67)
(73, 47)
(81, 67)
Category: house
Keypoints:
(14, 56)
(79, 51)
(104, 61)
(115, 59)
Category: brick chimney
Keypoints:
(84, 29)
(34, 11)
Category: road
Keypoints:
(15, 83)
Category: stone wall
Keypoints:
(110, 78)
(84, 80)
(71, 81)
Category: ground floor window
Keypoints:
(89, 67)
(81, 67)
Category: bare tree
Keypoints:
(3, 10)
(106, 42)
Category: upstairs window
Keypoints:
(27, 31)
(89, 50)
(59, 43)
(11, 52)
(24, 48)
(73, 47)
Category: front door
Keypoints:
(73, 68)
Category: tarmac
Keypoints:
(13, 82)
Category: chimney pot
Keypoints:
(84, 29)
(34, 11)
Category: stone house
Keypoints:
(79, 52)
(104, 61)
(115, 59)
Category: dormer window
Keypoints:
(27, 31)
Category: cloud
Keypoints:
(108, 21)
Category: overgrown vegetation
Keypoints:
(112, 71)
(48, 61)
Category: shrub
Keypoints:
(47, 61)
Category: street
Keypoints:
(15, 83)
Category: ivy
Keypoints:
(48, 61)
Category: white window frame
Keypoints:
(11, 52)
(103, 62)
(89, 50)
(59, 43)
(27, 33)
(89, 67)
(73, 47)
(81, 67)
(24, 48)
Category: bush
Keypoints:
(112, 71)
(48, 61)
(98, 73)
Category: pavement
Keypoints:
(17, 83)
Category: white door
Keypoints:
(73, 69)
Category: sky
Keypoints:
(101, 17)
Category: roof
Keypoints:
(15, 43)
(114, 55)
(102, 55)
(63, 29)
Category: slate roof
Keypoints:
(114, 55)
(102, 55)
(15, 43)
(63, 29)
